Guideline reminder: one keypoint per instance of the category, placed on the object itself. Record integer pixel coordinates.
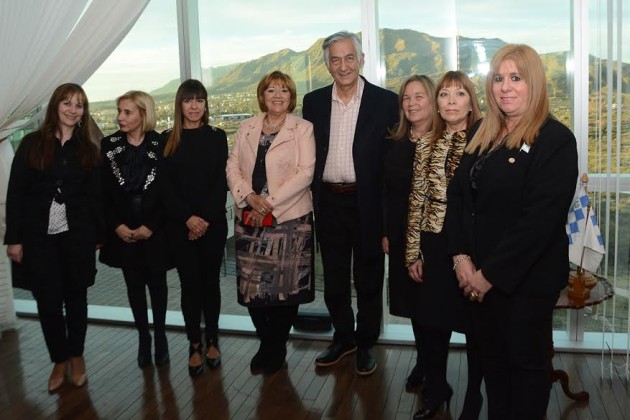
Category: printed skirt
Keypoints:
(274, 265)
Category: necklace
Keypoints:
(412, 135)
(273, 127)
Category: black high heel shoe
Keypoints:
(472, 407)
(415, 379)
(195, 370)
(144, 351)
(430, 409)
(257, 364)
(213, 362)
(162, 356)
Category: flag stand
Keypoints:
(581, 281)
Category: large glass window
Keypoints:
(243, 40)
(147, 59)
(608, 149)
(464, 35)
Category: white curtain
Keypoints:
(42, 45)
(46, 43)
(7, 309)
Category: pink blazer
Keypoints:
(290, 164)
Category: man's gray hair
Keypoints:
(337, 36)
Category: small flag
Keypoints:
(586, 245)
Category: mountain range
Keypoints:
(405, 52)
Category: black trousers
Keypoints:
(137, 280)
(64, 334)
(512, 333)
(473, 399)
(57, 269)
(341, 240)
(434, 343)
(421, 357)
(199, 267)
(273, 324)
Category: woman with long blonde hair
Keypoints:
(508, 206)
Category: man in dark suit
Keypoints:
(351, 119)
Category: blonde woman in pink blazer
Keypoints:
(269, 171)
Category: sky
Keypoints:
(241, 30)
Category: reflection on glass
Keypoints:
(464, 35)
(147, 59)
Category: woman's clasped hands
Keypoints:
(471, 281)
(197, 227)
(260, 208)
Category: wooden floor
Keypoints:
(118, 389)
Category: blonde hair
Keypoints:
(460, 79)
(401, 130)
(146, 106)
(532, 71)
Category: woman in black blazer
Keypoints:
(439, 307)
(135, 239)
(54, 223)
(194, 192)
(416, 101)
(507, 210)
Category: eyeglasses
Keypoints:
(349, 59)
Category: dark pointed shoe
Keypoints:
(415, 379)
(162, 356)
(213, 362)
(472, 407)
(144, 360)
(144, 350)
(430, 408)
(334, 353)
(275, 360)
(195, 370)
(366, 362)
(257, 363)
(162, 359)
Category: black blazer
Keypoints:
(29, 197)
(377, 114)
(119, 208)
(514, 227)
(193, 180)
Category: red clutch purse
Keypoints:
(267, 221)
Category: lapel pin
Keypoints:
(511, 160)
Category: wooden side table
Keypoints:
(602, 291)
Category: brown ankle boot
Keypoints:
(78, 376)
(57, 376)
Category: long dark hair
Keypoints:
(42, 154)
(460, 79)
(189, 89)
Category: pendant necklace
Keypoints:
(273, 127)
